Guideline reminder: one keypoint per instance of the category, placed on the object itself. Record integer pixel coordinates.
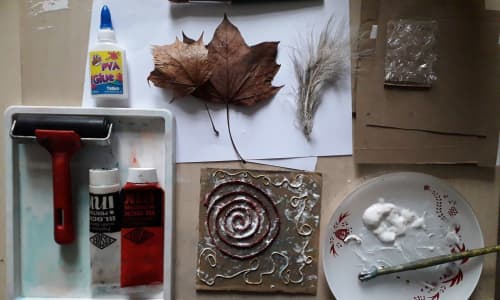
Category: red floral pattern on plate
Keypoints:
(447, 280)
(341, 230)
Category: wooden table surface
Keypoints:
(43, 62)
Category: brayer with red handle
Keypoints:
(62, 136)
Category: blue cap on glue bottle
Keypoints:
(106, 32)
(106, 18)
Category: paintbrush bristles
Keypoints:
(320, 63)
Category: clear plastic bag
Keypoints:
(410, 53)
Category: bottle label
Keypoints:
(105, 213)
(105, 238)
(106, 72)
(143, 209)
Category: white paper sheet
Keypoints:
(266, 131)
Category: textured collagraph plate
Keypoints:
(411, 53)
(258, 231)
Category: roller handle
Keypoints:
(62, 145)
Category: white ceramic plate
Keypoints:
(450, 226)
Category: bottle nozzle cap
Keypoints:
(104, 177)
(106, 18)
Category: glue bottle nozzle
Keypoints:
(106, 18)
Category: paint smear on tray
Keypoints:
(43, 6)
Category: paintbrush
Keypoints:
(426, 262)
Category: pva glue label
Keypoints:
(106, 72)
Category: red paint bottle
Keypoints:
(142, 229)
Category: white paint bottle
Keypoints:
(105, 211)
(107, 63)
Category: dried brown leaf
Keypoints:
(158, 79)
(241, 74)
(181, 66)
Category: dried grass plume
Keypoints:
(321, 62)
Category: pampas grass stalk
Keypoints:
(320, 63)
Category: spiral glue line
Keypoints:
(242, 220)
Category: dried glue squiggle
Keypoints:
(210, 257)
(299, 203)
(221, 174)
(304, 260)
(270, 272)
(212, 262)
(296, 183)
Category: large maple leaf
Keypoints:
(241, 74)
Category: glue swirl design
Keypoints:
(242, 220)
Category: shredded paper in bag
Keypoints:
(410, 53)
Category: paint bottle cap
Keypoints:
(104, 177)
(142, 175)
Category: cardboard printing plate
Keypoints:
(37, 267)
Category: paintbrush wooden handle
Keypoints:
(426, 262)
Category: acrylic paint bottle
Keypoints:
(142, 229)
(107, 63)
(105, 226)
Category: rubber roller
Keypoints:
(62, 136)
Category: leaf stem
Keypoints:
(211, 120)
(231, 135)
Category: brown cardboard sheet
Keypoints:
(457, 120)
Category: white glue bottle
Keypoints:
(105, 211)
(107, 63)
